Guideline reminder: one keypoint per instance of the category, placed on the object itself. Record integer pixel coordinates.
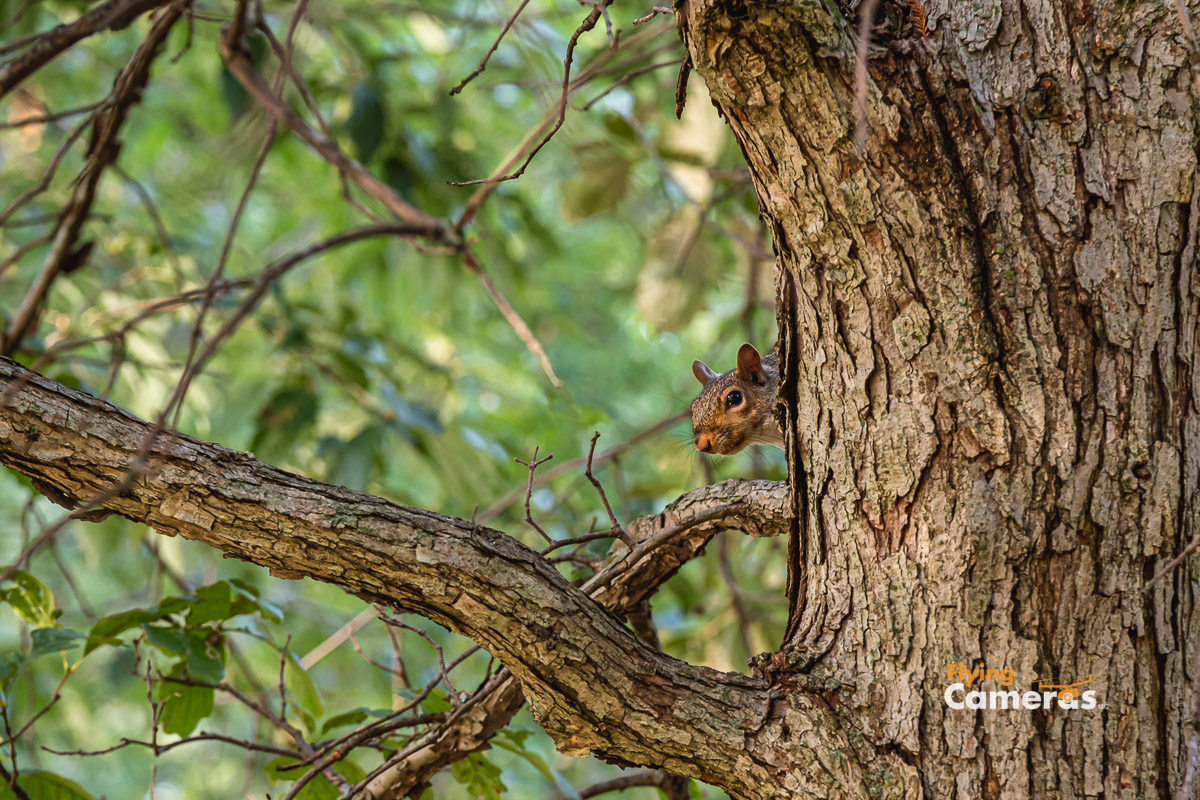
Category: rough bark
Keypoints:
(989, 327)
(591, 683)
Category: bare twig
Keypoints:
(487, 185)
(20, 252)
(340, 635)
(243, 70)
(608, 26)
(483, 64)
(44, 118)
(653, 777)
(51, 168)
(647, 546)
(617, 530)
(654, 12)
(567, 467)
(10, 780)
(159, 749)
(223, 258)
(1174, 562)
(681, 84)
(626, 78)
(532, 465)
(510, 314)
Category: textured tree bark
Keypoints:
(989, 331)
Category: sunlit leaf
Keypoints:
(30, 598)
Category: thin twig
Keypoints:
(647, 546)
(568, 467)
(488, 184)
(1174, 562)
(102, 152)
(52, 168)
(38, 120)
(654, 12)
(626, 78)
(532, 465)
(513, 318)
(338, 637)
(617, 530)
(483, 64)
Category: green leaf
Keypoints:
(185, 707)
(214, 602)
(170, 640)
(353, 461)
(106, 629)
(301, 685)
(31, 599)
(206, 657)
(45, 641)
(11, 669)
(437, 702)
(340, 720)
(42, 785)
(599, 186)
(349, 770)
(248, 599)
(480, 777)
(618, 126)
(366, 122)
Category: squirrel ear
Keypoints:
(702, 372)
(749, 365)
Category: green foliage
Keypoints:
(183, 706)
(626, 246)
(31, 599)
(480, 777)
(42, 785)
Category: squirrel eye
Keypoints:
(732, 399)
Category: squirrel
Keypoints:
(736, 408)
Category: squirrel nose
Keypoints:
(703, 443)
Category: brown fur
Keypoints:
(724, 427)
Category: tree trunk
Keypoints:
(988, 327)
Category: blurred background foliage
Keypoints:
(631, 246)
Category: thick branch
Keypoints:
(113, 15)
(591, 683)
(763, 513)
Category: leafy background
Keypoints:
(631, 246)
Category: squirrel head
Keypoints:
(735, 408)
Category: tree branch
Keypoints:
(591, 683)
(112, 16)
